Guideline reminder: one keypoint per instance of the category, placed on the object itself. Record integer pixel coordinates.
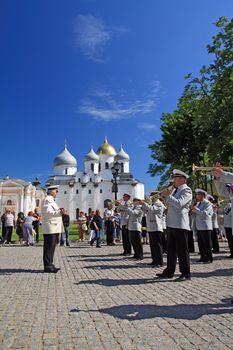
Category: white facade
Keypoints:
(19, 196)
(89, 190)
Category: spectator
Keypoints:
(36, 223)
(9, 224)
(19, 226)
(82, 226)
(28, 229)
(66, 224)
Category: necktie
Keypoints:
(176, 189)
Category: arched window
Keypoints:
(99, 167)
(77, 213)
(66, 171)
(122, 167)
(9, 202)
(89, 191)
(101, 191)
(106, 165)
(92, 166)
(37, 203)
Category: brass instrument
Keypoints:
(208, 169)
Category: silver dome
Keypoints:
(122, 154)
(65, 158)
(91, 155)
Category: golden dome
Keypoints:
(106, 149)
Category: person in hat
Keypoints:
(135, 227)
(215, 230)
(154, 217)
(51, 228)
(124, 224)
(203, 212)
(178, 203)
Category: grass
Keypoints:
(73, 233)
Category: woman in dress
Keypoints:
(82, 226)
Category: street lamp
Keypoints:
(115, 170)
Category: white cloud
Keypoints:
(103, 106)
(92, 36)
(147, 126)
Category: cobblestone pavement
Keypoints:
(100, 300)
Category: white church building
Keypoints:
(92, 188)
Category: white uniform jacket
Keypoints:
(227, 216)
(154, 216)
(51, 217)
(135, 218)
(124, 214)
(215, 217)
(203, 216)
(225, 178)
(178, 208)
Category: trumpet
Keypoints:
(208, 169)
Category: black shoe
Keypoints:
(229, 257)
(182, 278)
(138, 258)
(207, 261)
(200, 261)
(98, 246)
(51, 269)
(151, 264)
(163, 275)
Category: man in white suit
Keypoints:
(203, 212)
(51, 228)
(178, 203)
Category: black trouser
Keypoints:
(177, 245)
(8, 233)
(126, 240)
(164, 240)
(156, 247)
(135, 239)
(191, 242)
(229, 239)
(36, 228)
(214, 239)
(205, 244)
(109, 231)
(50, 241)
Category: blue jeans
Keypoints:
(97, 238)
(65, 235)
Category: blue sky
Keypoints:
(83, 69)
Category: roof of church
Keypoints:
(122, 154)
(91, 155)
(106, 149)
(65, 158)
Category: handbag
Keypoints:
(84, 227)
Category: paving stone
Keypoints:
(100, 300)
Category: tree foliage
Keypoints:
(200, 130)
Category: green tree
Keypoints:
(200, 130)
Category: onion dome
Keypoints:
(106, 149)
(122, 155)
(91, 155)
(65, 158)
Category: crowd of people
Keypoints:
(169, 222)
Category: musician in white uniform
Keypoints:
(51, 228)
(178, 203)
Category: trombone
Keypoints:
(207, 169)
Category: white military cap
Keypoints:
(200, 190)
(179, 173)
(53, 188)
(208, 196)
(127, 194)
(154, 193)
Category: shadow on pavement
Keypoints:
(110, 267)
(11, 271)
(132, 312)
(108, 282)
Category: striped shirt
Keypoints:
(9, 220)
